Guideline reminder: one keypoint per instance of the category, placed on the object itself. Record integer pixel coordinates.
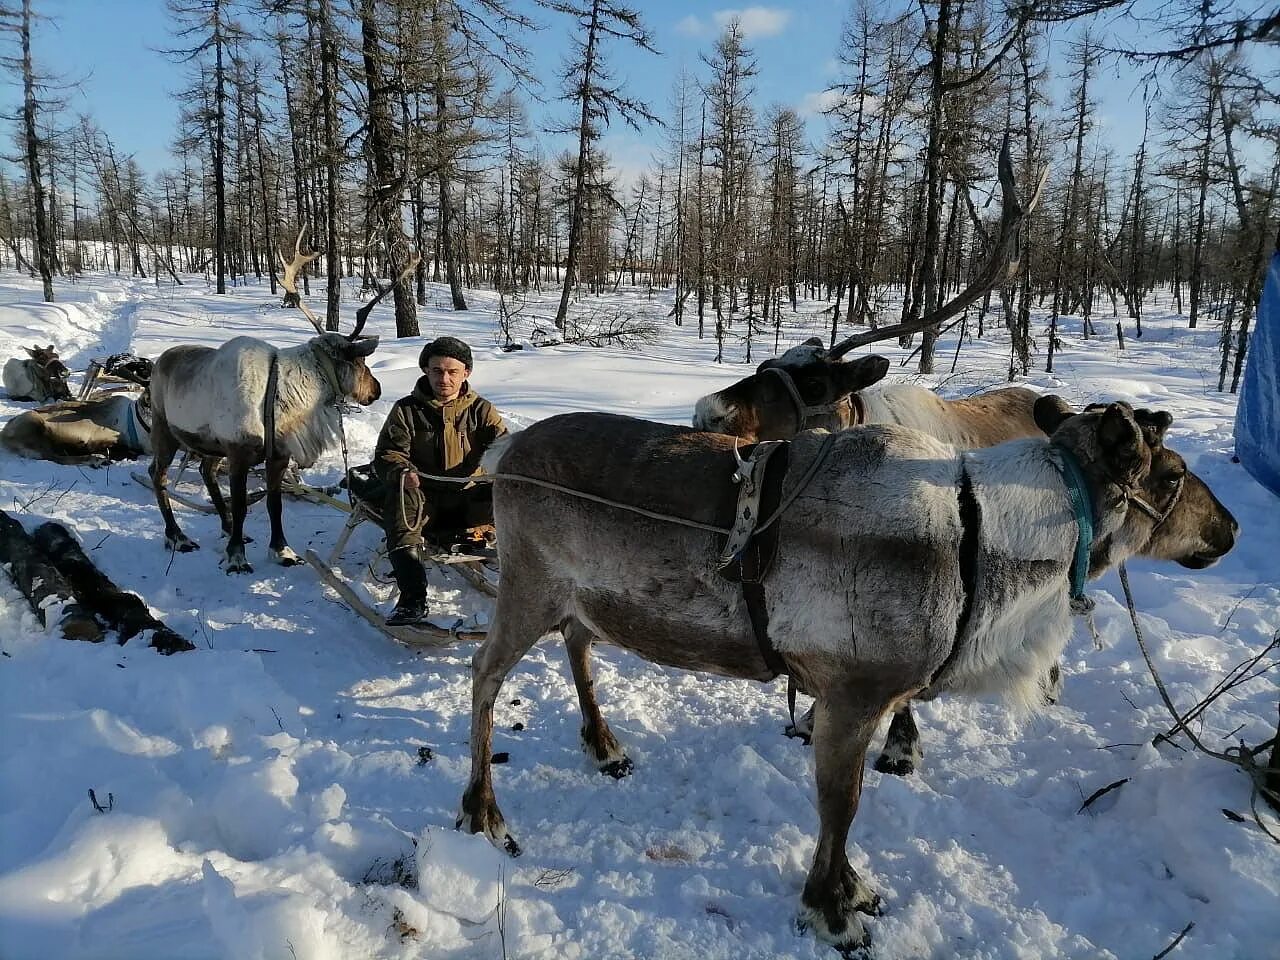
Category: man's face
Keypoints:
(446, 376)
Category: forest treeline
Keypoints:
(370, 130)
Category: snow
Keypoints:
(264, 795)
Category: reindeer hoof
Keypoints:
(179, 543)
(801, 729)
(286, 557)
(895, 766)
(853, 942)
(238, 565)
(618, 768)
(495, 832)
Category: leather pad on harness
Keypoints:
(747, 557)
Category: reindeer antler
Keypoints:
(363, 313)
(290, 279)
(1000, 267)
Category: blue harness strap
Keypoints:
(1082, 507)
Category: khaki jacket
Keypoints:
(441, 438)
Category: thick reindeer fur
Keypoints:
(872, 591)
(212, 402)
(221, 391)
(79, 431)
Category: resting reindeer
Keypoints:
(82, 431)
(41, 378)
(903, 566)
(115, 427)
(250, 402)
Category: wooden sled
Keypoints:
(418, 635)
(288, 487)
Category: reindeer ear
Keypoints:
(1121, 443)
(363, 347)
(854, 375)
(51, 348)
(1154, 424)
(1049, 412)
(32, 352)
(813, 342)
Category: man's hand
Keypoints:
(411, 481)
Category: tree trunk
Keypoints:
(44, 241)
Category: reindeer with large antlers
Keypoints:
(252, 403)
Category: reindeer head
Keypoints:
(807, 387)
(346, 352)
(352, 378)
(1171, 514)
(51, 372)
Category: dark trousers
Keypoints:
(406, 514)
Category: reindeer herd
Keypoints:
(919, 545)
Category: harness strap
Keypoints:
(269, 408)
(970, 520)
(1082, 507)
(805, 411)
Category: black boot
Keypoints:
(411, 577)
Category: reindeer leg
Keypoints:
(281, 552)
(520, 619)
(163, 448)
(597, 739)
(901, 753)
(834, 894)
(238, 464)
(209, 474)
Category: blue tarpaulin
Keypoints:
(1258, 415)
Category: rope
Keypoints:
(1240, 756)
(651, 514)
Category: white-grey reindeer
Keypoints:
(253, 403)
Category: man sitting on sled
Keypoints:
(442, 428)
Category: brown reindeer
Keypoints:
(252, 403)
(82, 431)
(41, 378)
(903, 567)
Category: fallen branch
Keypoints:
(1176, 940)
(1264, 780)
(123, 611)
(42, 584)
(1101, 792)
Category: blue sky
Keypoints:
(111, 47)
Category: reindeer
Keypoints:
(811, 387)
(252, 403)
(88, 431)
(903, 567)
(41, 378)
(115, 427)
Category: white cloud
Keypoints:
(690, 26)
(755, 21)
(819, 102)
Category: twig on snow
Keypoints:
(1176, 940)
(1102, 791)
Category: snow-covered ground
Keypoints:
(269, 796)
